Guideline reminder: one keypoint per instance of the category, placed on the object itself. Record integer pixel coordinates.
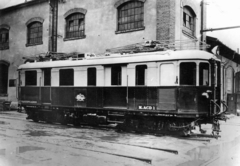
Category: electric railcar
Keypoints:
(164, 91)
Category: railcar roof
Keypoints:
(121, 59)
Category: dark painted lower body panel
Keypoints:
(154, 100)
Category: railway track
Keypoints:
(192, 137)
(79, 140)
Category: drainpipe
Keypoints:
(203, 21)
(53, 25)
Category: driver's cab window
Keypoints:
(204, 74)
(188, 73)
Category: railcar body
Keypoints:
(154, 91)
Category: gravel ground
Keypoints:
(23, 142)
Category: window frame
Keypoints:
(131, 15)
(78, 27)
(34, 33)
(143, 80)
(4, 45)
(196, 74)
(70, 80)
(209, 74)
(116, 75)
(189, 27)
(47, 74)
(29, 79)
(91, 76)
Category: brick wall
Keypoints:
(165, 20)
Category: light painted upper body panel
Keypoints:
(126, 58)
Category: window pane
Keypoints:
(128, 13)
(188, 73)
(204, 74)
(4, 36)
(188, 20)
(31, 78)
(92, 77)
(75, 25)
(141, 72)
(116, 75)
(47, 77)
(35, 33)
(66, 77)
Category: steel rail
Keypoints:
(149, 161)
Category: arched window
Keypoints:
(189, 19)
(4, 38)
(130, 16)
(75, 26)
(34, 34)
(3, 77)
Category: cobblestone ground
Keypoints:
(23, 142)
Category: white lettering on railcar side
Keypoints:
(80, 97)
(146, 107)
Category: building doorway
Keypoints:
(3, 78)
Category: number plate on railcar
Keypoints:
(146, 107)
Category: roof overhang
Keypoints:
(224, 50)
(22, 5)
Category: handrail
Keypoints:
(223, 102)
(16, 88)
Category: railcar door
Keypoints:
(45, 86)
(215, 85)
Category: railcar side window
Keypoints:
(188, 73)
(116, 75)
(204, 74)
(31, 78)
(91, 74)
(66, 77)
(141, 73)
(47, 77)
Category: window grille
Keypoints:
(130, 16)
(4, 39)
(75, 26)
(189, 20)
(34, 33)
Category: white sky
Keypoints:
(220, 13)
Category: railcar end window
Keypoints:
(188, 73)
(204, 74)
(130, 16)
(141, 74)
(47, 77)
(66, 77)
(91, 74)
(116, 75)
(31, 78)
(34, 35)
